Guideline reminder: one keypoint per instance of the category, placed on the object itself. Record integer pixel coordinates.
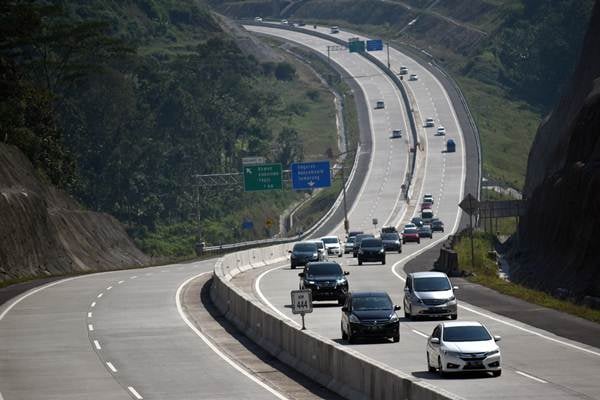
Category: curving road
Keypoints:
(113, 335)
(536, 364)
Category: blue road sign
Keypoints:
(247, 224)
(311, 175)
(374, 45)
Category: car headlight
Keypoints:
(394, 317)
(341, 281)
(381, 250)
(315, 255)
(354, 318)
(418, 300)
(452, 353)
(397, 242)
(451, 299)
(310, 282)
(360, 252)
(491, 353)
(293, 255)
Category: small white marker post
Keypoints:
(302, 303)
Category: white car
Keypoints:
(284, 22)
(403, 70)
(320, 248)
(258, 19)
(428, 198)
(410, 225)
(441, 131)
(332, 245)
(335, 29)
(429, 123)
(463, 346)
(413, 77)
(349, 245)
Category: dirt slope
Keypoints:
(44, 232)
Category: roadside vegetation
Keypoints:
(122, 105)
(485, 272)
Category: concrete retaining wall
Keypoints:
(335, 366)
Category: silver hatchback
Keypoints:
(429, 294)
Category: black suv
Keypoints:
(370, 314)
(371, 249)
(326, 281)
(357, 240)
(302, 253)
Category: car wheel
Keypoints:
(496, 373)
(399, 251)
(339, 255)
(419, 241)
(341, 301)
(454, 316)
(403, 242)
(344, 336)
(350, 338)
(292, 266)
(383, 262)
(429, 367)
(441, 369)
(406, 313)
(397, 336)
(359, 262)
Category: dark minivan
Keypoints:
(326, 280)
(371, 250)
(370, 314)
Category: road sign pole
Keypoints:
(346, 223)
(303, 327)
(471, 235)
(388, 54)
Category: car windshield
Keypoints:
(410, 231)
(425, 228)
(319, 244)
(466, 334)
(371, 243)
(329, 240)
(350, 240)
(305, 247)
(432, 284)
(389, 236)
(371, 303)
(324, 269)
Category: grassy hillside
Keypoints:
(123, 104)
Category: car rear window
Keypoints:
(329, 240)
(410, 230)
(466, 334)
(371, 243)
(324, 269)
(305, 247)
(364, 303)
(389, 236)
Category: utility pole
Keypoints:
(388, 54)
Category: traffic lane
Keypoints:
(143, 336)
(388, 166)
(523, 353)
(45, 352)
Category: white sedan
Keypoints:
(441, 131)
(463, 346)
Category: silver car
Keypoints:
(463, 346)
(429, 294)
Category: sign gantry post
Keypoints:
(470, 205)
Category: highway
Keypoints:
(536, 364)
(114, 335)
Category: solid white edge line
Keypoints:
(420, 333)
(1, 398)
(32, 292)
(134, 393)
(212, 346)
(264, 299)
(531, 377)
(97, 345)
(111, 366)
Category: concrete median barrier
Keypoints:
(333, 365)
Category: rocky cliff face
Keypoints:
(559, 239)
(44, 232)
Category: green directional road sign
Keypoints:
(356, 46)
(262, 177)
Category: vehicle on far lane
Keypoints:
(427, 215)
(397, 133)
(379, 105)
(426, 206)
(335, 29)
(437, 225)
(463, 346)
(371, 250)
(258, 19)
(403, 70)
(428, 198)
(425, 231)
(417, 221)
(410, 235)
(285, 22)
(441, 131)
(450, 146)
(429, 123)
(413, 77)
(320, 248)
(389, 229)
(302, 253)
(349, 245)
(369, 314)
(391, 241)
(326, 280)
(354, 233)
(332, 245)
(357, 240)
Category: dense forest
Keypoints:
(123, 105)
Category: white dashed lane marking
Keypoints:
(531, 377)
(97, 345)
(111, 366)
(120, 282)
(90, 327)
(100, 295)
(93, 304)
(134, 393)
